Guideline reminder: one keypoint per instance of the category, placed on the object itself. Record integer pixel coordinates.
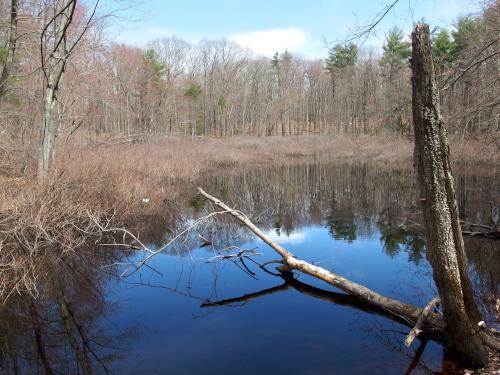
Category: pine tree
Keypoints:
(464, 29)
(286, 56)
(193, 91)
(442, 47)
(396, 49)
(275, 60)
(341, 56)
(155, 66)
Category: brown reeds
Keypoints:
(138, 185)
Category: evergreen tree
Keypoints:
(275, 60)
(286, 56)
(396, 49)
(193, 91)
(442, 47)
(396, 54)
(462, 34)
(341, 56)
(155, 66)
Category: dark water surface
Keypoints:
(185, 315)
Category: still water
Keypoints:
(187, 313)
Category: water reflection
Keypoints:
(186, 316)
(403, 238)
(352, 201)
(63, 329)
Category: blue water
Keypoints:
(286, 332)
(181, 314)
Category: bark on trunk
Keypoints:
(445, 249)
(48, 130)
(53, 66)
(11, 49)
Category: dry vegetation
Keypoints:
(158, 171)
(41, 227)
(45, 224)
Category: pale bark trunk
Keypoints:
(435, 184)
(48, 130)
(53, 69)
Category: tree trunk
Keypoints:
(11, 49)
(47, 135)
(445, 250)
(53, 66)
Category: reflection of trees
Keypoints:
(341, 220)
(289, 197)
(397, 239)
(59, 331)
(484, 258)
(353, 200)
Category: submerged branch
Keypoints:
(341, 299)
(405, 311)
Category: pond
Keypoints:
(187, 311)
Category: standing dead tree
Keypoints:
(445, 247)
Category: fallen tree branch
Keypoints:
(466, 223)
(406, 311)
(494, 234)
(419, 326)
(238, 255)
(433, 323)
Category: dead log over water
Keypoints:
(403, 310)
(431, 324)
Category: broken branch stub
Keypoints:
(419, 326)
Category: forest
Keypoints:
(215, 88)
(110, 153)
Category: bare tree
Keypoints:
(445, 249)
(7, 59)
(57, 44)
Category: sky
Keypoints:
(304, 27)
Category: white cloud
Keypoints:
(267, 42)
(292, 238)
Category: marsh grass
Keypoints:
(140, 187)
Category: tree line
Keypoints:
(62, 81)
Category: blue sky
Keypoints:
(264, 26)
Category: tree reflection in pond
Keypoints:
(63, 329)
(401, 238)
